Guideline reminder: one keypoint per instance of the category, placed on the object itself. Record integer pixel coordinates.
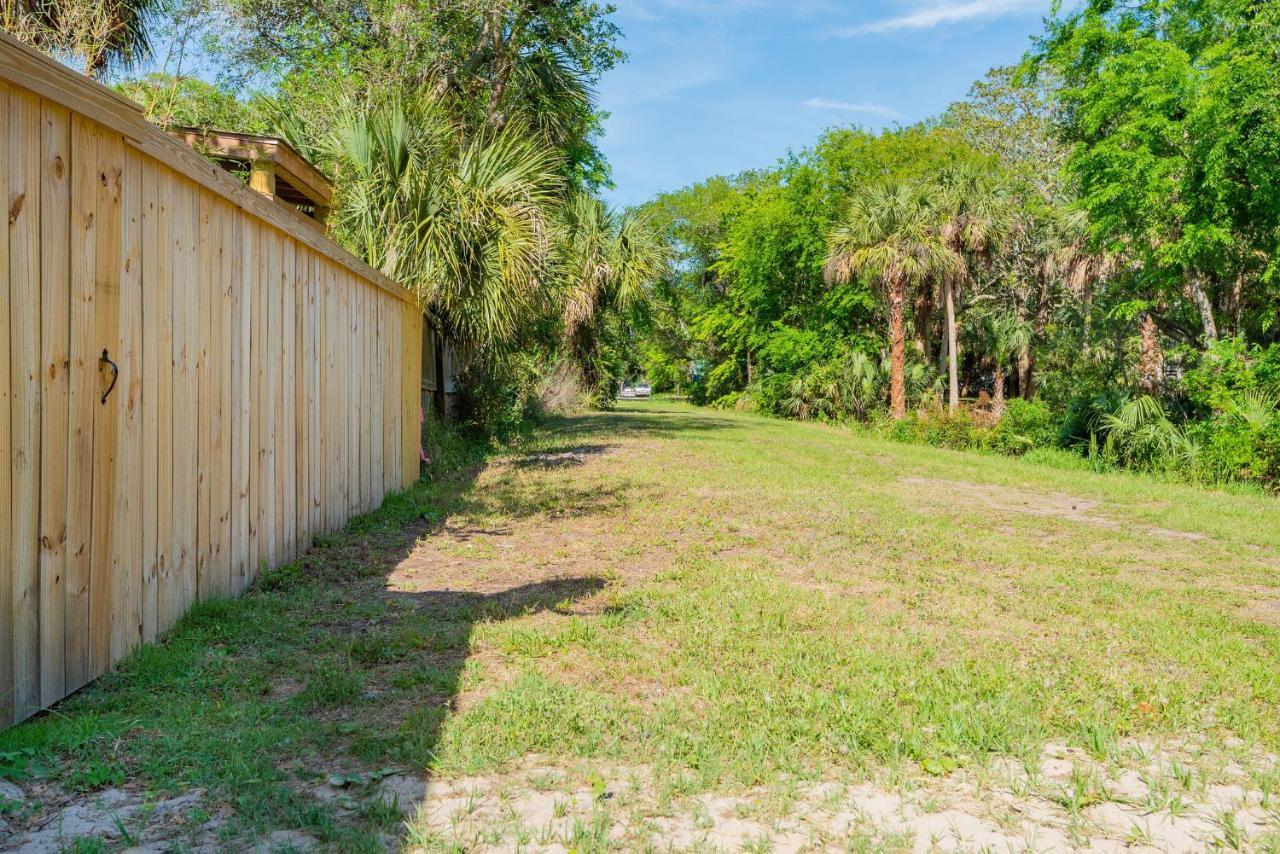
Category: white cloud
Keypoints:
(851, 107)
(946, 13)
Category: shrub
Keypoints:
(1025, 426)
(946, 430)
(498, 397)
(721, 380)
(1229, 450)
(1226, 371)
(937, 428)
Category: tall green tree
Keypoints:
(891, 234)
(976, 215)
(607, 260)
(1173, 111)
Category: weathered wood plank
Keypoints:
(158, 274)
(272, 409)
(108, 414)
(126, 555)
(82, 400)
(186, 404)
(55, 351)
(315, 457)
(152, 246)
(24, 384)
(220, 401)
(205, 285)
(258, 392)
(287, 449)
(8, 713)
(241, 391)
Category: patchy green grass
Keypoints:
(726, 600)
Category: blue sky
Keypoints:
(717, 86)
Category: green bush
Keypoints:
(1269, 457)
(498, 397)
(1025, 426)
(721, 380)
(1228, 450)
(1226, 371)
(939, 428)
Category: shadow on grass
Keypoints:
(654, 420)
(298, 706)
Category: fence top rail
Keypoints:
(29, 69)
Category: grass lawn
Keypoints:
(670, 627)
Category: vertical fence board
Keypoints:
(82, 400)
(206, 278)
(272, 477)
(8, 713)
(152, 269)
(355, 369)
(240, 397)
(257, 396)
(109, 413)
(288, 458)
(55, 346)
(328, 400)
(157, 271)
(24, 383)
(315, 459)
(302, 356)
(220, 450)
(126, 555)
(186, 404)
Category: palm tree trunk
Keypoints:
(1026, 375)
(997, 396)
(953, 365)
(897, 348)
(923, 317)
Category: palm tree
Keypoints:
(976, 214)
(1004, 336)
(607, 259)
(891, 234)
(466, 223)
(101, 33)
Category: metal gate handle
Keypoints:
(115, 375)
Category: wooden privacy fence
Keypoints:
(267, 384)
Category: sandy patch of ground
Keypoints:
(122, 817)
(1148, 801)
(1069, 802)
(1013, 500)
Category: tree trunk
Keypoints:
(1152, 365)
(1198, 296)
(923, 322)
(897, 349)
(997, 394)
(1024, 374)
(953, 363)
